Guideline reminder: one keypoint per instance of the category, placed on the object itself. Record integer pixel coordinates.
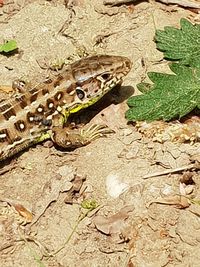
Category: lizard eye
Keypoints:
(105, 76)
(80, 93)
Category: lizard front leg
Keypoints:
(72, 138)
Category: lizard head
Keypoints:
(97, 75)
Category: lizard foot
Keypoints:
(68, 138)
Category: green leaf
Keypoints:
(8, 47)
(89, 204)
(171, 95)
(180, 44)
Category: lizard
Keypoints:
(34, 114)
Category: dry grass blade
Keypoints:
(190, 166)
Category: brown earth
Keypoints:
(135, 228)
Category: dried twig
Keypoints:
(184, 3)
(191, 166)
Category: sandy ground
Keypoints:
(136, 228)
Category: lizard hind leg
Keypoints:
(68, 138)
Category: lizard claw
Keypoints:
(95, 131)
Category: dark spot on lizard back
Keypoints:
(9, 113)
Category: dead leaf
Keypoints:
(75, 189)
(114, 224)
(25, 213)
(181, 202)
